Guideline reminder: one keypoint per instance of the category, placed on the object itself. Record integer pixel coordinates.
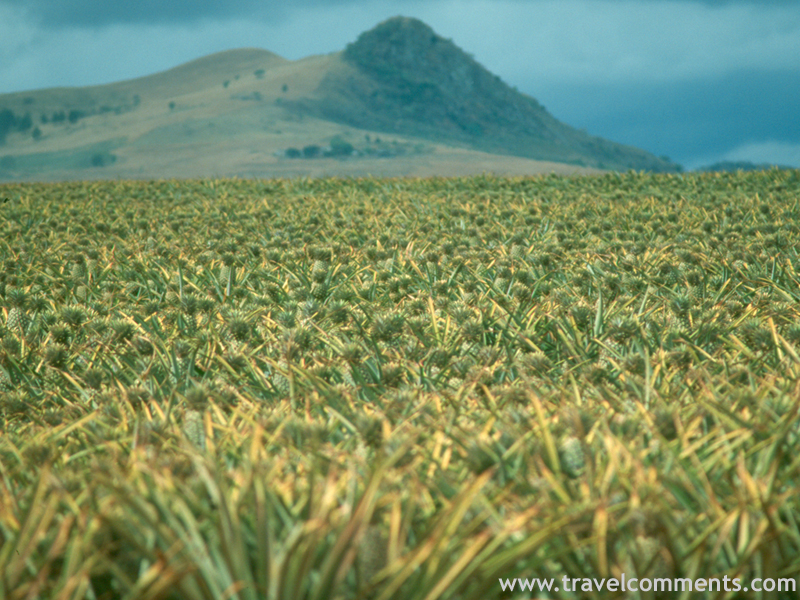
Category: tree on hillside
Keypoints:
(25, 123)
(75, 115)
(101, 159)
(7, 123)
(339, 147)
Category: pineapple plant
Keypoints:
(572, 457)
(78, 268)
(281, 378)
(193, 428)
(319, 271)
(578, 369)
(18, 319)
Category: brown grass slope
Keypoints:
(199, 74)
(234, 113)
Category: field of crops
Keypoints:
(407, 389)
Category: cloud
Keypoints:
(554, 41)
(771, 152)
(762, 152)
(545, 41)
(32, 57)
(58, 14)
(695, 121)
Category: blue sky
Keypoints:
(698, 81)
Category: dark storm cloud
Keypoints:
(96, 13)
(689, 121)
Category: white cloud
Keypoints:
(770, 152)
(776, 153)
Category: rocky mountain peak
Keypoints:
(406, 51)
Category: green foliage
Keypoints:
(7, 123)
(101, 159)
(75, 115)
(340, 147)
(311, 151)
(25, 123)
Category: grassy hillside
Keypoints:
(728, 166)
(237, 113)
(217, 115)
(224, 114)
(407, 79)
(405, 389)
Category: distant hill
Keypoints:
(728, 166)
(409, 80)
(398, 101)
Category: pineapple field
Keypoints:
(401, 389)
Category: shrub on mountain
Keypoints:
(101, 159)
(75, 115)
(7, 122)
(25, 123)
(339, 147)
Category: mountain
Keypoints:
(409, 80)
(400, 100)
(728, 166)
